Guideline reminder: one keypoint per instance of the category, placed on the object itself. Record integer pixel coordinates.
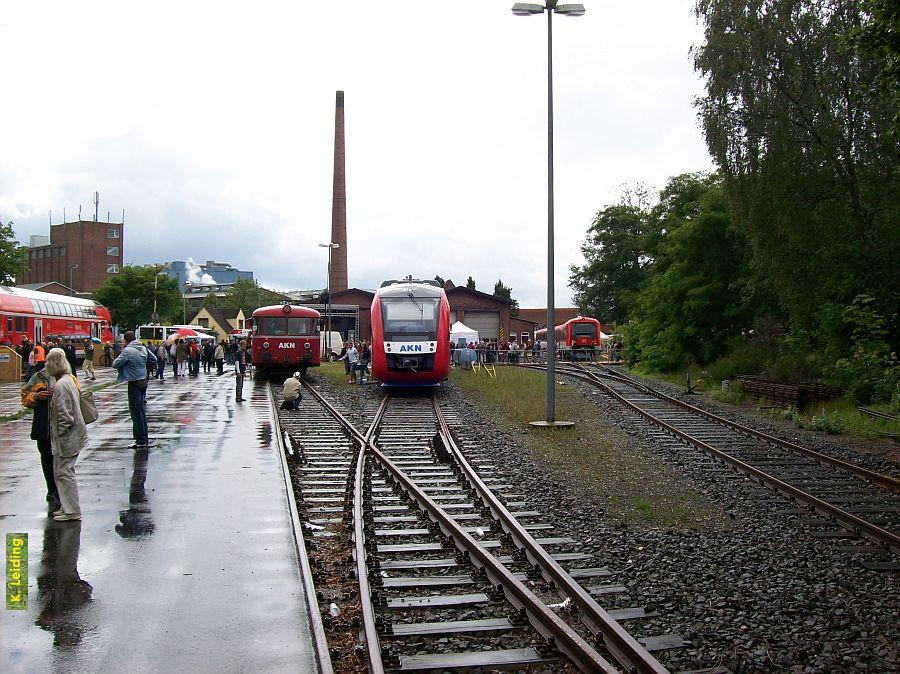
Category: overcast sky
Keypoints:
(212, 125)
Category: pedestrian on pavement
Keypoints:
(181, 356)
(117, 347)
(291, 392)
(88, 363)
(208, 350)
(132, 365)
(240, 369)
(40, 356)
(29, 368)
(194, 358)
(162, 357)
(68, 434)
(69, 348)
(36, 396)
(220, 356)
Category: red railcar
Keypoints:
(38, 316)
(410, 333)
(282, 334)
(580, 332)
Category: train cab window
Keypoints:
(409, 318)
(584, 330)
(298, 326)
(273, 325)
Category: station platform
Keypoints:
(184, 559)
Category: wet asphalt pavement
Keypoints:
(184, 560)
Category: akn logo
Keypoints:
(410, 347)
(285, 345)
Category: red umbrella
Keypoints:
(183, 332)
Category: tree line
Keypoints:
(785, 259)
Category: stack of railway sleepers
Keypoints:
(782, 394)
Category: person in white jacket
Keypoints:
(68, 434)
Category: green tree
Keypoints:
(248, 295)
(689, 309)
(808, 154)
(212, 301)
(505, 292)
(12, 255)
(617, 252)
(470, 283)
(129, 296)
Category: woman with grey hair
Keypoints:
(68, 434)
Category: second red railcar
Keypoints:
(282, 335)
(581, 332)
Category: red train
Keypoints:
(282, 334)
(580, 332)
(38, 316)
(410, 333)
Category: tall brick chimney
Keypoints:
(338, 280)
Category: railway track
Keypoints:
(411, 542)
(840, 499)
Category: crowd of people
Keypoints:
(489, 351)
(53, 392)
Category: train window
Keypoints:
(298, 326)
(9, 324)
(584, 330)
(273, 325)
(406, 317)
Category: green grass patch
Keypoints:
(631, 486)
(842, 416)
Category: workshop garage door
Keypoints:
(486, 323)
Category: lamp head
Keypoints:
(527, 8)
(570, 10)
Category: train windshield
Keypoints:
(277, 326)
(410, 319)
(584, 330)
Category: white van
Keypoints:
(332, 340)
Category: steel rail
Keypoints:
(855, 525)
(625, 648)
(538, 614)
(320, 640)
(880, 479)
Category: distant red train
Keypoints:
(410, 333)
(38, 316)
(580, 332)
(281, 335)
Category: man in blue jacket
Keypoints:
(132, 365)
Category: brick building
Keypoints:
(80, 255)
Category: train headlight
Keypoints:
(307, 346)
(265, 345)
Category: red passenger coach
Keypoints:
(410, 333)
(39, 316)
(282, 334)
(580, 332)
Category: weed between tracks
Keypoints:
(626, 482)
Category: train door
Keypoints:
(38, 330)
(95, 330)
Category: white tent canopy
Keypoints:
(459, 331)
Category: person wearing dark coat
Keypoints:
(69, 348)
(36, 395)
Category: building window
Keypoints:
(112, 269)
(112, 233)
(112, 250)
(204, 322)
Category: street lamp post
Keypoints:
(527, 9)
(71, 288)
(330, 247)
